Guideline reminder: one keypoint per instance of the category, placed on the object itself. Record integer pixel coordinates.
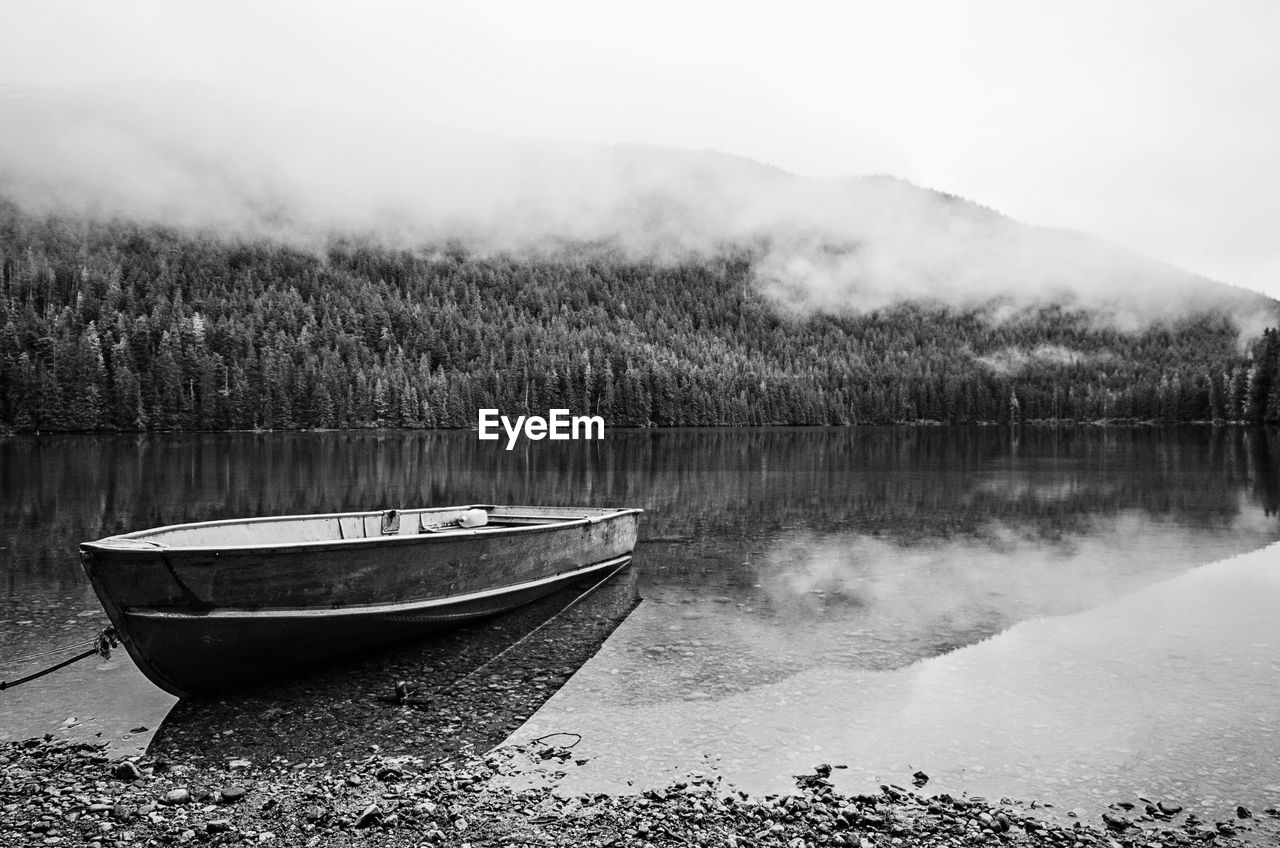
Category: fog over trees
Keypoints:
(121, 326)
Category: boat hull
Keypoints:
(201, 620)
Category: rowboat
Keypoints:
(215, 605)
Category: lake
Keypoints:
(1072, 615)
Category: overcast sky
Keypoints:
(1154, 125)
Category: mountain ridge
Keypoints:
(190, 261)
(235, 167)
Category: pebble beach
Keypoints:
(56, 792)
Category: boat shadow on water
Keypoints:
(469, 688)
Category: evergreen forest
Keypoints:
(115, 326)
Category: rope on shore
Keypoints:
(103, 643)
(559, 733)
(403, 691)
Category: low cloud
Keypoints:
(1011, 360)
(201, 157)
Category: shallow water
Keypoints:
(1168, 691)
(1052, 615)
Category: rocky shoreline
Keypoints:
(333, 759)
(57, 792)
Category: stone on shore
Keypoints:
(56, 793)
(126, 770)
(231, 794)
(178, 796)
(372, 815)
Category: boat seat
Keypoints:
(442, 527)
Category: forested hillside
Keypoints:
(113, 326)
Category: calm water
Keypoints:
(1075, 616)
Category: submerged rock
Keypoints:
(1116, 822)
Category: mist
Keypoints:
(203, 158)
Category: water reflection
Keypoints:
(864, 602)
(1165, 692)
(776, 564)
(928, 482)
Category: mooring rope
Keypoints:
(103, 643)
(62, 650)
(403, 691)
(493, 659)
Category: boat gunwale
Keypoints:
(105, 545)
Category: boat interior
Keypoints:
(334, 527)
